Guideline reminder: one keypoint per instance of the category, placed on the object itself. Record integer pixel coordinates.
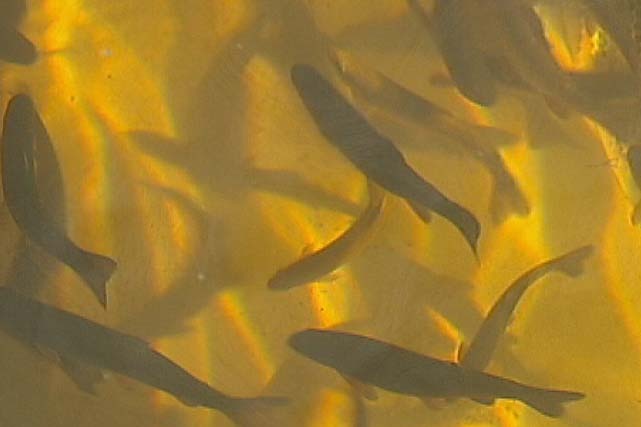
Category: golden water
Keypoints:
(187, 156)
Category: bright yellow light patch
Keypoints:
(236, 312)
(332, 409)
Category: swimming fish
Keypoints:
(373, 153)
(406, 372)
(526, 47)
(329, 258)
(482, 347)
(23, 129)
(452, 25)
(476, 141)
(90, 343)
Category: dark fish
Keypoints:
(22, 129)
(621, 19)
(482, 347)
(16, 48)
(452, 26)
(90, 343)
(403, 371)
(372, 153)
(475, 141)
(320, 263)
(528, 50)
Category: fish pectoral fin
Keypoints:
(421, 211)
(306, 250)
(483, 400)
(367, 391)
(85, 377)
(47, 353)
(435, 403)
(635, 216)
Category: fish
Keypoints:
(452, 26)
(406, 372)
(621, 20)
(526, 47)
(484, 343)
(86, 342)
(633, 157)
(23, 130)
(16, 48)
(471, 140)
(373, 153)
(322, 262)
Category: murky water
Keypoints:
(187, 152)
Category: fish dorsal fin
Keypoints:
(367, 391)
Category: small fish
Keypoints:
(475, 141)
(482, 347)
(320, 263)
(372, 153)
(23, 128)
(81, 340)
(634, 162)
(452, 25)
(403, 371)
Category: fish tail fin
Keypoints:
(550, 402)
(573, 263)
(96, 270)
(506, 198)
(257, 412)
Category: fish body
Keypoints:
(406, 372)
(22, 129)
(372, 153)
(482, 347)
(452, 26)
(477, 142)
(318, 264)
(90, 343)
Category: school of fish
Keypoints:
(345, 99)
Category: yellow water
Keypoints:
(188, 157)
